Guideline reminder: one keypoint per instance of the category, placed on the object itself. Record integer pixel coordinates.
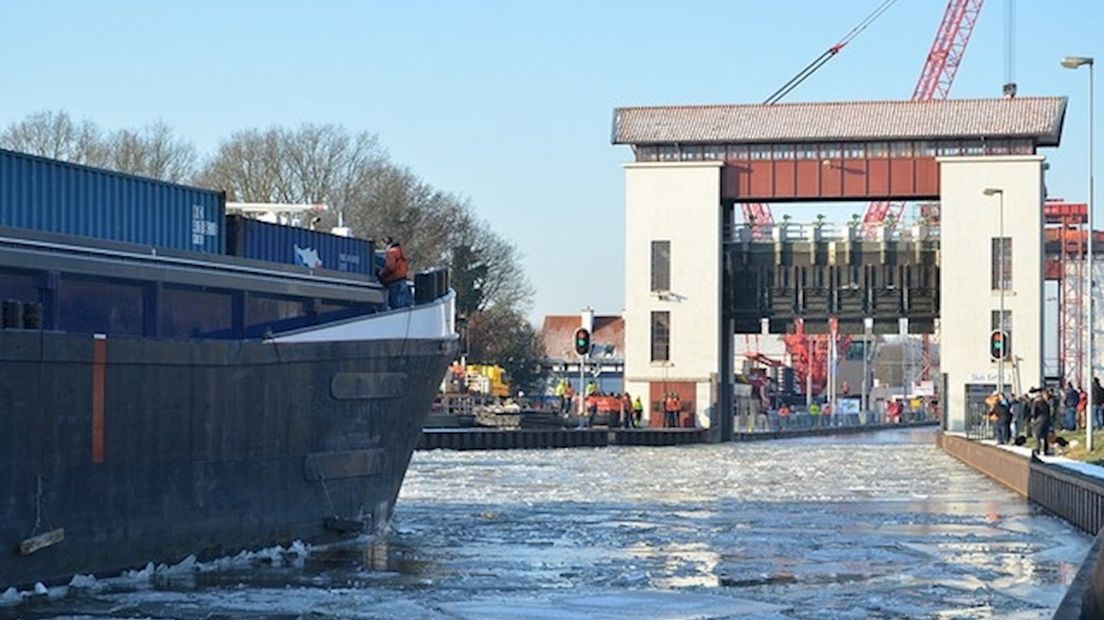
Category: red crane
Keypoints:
(935, 82)
(936, 78)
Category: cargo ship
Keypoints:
(162, 397)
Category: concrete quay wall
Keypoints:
(1075, 497)
(511, 439)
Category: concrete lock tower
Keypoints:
(694, 278)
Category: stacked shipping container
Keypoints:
(60, 197)
(297, 246)
(55, 196)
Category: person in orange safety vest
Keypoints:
(393, 275)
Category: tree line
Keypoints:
(352, 174)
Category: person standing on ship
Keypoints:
(393, 275)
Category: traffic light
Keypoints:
(582, 341)
(1000, 345)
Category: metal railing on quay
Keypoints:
(773, 422)
(978, 425)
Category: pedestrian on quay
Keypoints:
(1017, 407)
(1070, 400)
(1040, 421)
(614, 410)
(626, 411)
(1098, 404)
(893, 412)
(670, 410)
(568, 399)
(638, 411)
(1004, 419)
(561, 392)
(592, 407)
(1082, 404)
(393, 275)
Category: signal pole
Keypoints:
(582, 384)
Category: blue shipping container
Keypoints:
(56, 196)
(291, 245)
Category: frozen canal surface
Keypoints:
(878, 526)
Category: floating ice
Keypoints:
(82, 581)
(875, 526)
(138, 576)
(298, 548)
(186, 566)
(9, 597)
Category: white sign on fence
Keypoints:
(923, 388)
(848, 405)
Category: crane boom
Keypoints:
(946, 53)
(758, 215)
(936, 78)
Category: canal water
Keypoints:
(868, 526)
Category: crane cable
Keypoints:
(828, 54)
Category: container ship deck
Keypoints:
(162, 402)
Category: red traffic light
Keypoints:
(1000, 345)
(582, 341)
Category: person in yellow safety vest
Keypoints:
(591, 388)
(561, 390)
(638, 411)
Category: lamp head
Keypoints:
(992, 191)
(1073, 62)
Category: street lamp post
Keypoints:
(989, 191)
(868, 325)
(1074, 62)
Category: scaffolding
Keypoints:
(1065, 239)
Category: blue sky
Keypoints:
(509, 103)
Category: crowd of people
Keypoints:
(615, 409)
(1040, 412)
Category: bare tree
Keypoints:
(395, 202)
(153, 151)
(486, 269)
(348, 171)
(56, 135)
(247, 166)
(310, 164)
(503, 336)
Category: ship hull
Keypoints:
(124, 451)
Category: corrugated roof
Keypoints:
(1026, 117)
(558, 334)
